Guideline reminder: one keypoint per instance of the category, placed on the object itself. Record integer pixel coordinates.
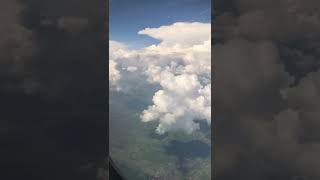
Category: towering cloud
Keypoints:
(181, 66)
(116, 51)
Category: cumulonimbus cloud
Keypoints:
(180, 65)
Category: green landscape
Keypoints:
(141, 154)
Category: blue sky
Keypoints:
(127, 17)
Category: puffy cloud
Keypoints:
(180, 65)
(266, 53)
(115, 51)
(114, 74)
(182, 100)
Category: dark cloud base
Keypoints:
(266, 89)
(53, 89)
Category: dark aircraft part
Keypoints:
(114, 172)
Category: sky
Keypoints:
(127, 17)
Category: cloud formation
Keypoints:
(180, 65)
(52, 79)
(266, 58)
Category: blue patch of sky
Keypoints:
(127, 17)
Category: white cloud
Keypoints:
(180, 33)
(115, 49)
(180, 64)
(132, 68)
(114, 74)
(117, 52)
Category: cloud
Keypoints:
(266, 61)
(115, 51)
(53, 82)
(180, 33)
(180, 65)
